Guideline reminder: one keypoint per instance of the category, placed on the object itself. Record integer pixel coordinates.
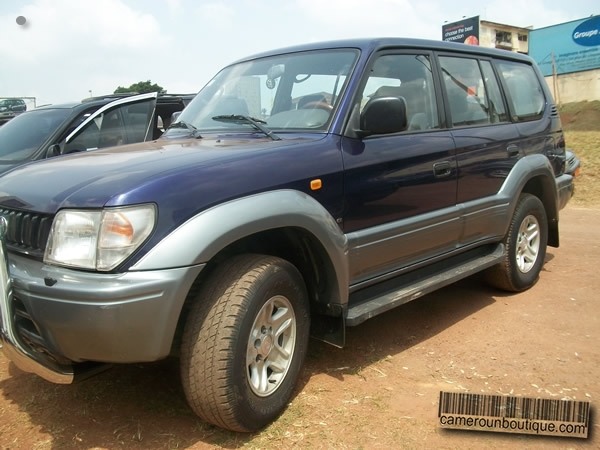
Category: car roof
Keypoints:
(369, 45)
(71, 105)
(103, 100)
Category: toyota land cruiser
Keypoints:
(302, 191)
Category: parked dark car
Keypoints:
(93, 123)
(11, 107)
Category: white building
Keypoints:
(507, 37)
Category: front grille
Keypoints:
(29, 333)
(27, 232)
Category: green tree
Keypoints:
(140, 87)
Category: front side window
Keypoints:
(285, 92)
(524, 89)
(408, 76)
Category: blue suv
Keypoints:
(302, 191)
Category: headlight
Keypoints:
(98, 240)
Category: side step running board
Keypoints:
(370, 302)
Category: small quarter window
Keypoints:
(524, 90)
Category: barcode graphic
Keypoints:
(514, 407)
(514, 414)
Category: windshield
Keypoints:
(24, 134)
(294, 91)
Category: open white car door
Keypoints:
(124, 121)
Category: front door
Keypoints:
(124, 121)
(400, 189)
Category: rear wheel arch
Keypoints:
(533, 174)
(544, 188)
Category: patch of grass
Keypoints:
(581, 122)
(586, 145)
(578, 107)
(581, 116)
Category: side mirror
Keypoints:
(174, 116)
(53, 150)
(58, 149)
(73, 147)
(273, 74)
(382, 115)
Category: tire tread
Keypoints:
(214, 322)
(501, 275)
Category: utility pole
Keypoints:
(555, 82)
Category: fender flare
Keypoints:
(526, 169)
(201, 237)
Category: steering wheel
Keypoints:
(318, 105)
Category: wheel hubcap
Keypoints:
(528, 243)
(271, 346)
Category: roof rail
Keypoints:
(108, 96)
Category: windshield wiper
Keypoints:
(256, 123)
(187, 126)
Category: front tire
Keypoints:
(525, 245)
(244, 342)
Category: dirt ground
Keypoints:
(380, 391)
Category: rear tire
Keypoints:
(525, 247)
(244, 342)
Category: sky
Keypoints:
(69, 49)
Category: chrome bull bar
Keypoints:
(24, 358)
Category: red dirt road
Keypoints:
(381, 390)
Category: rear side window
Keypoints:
(524, 89)
(467, 96)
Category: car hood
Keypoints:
(5, 166)
(155, 172)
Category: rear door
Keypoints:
(487, 143)
(124, 121)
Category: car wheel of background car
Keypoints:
(244, 342)
(525, 247)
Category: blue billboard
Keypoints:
(575, 46)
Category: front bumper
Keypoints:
(54, 318)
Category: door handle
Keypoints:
(512, 150)
(442, 169)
